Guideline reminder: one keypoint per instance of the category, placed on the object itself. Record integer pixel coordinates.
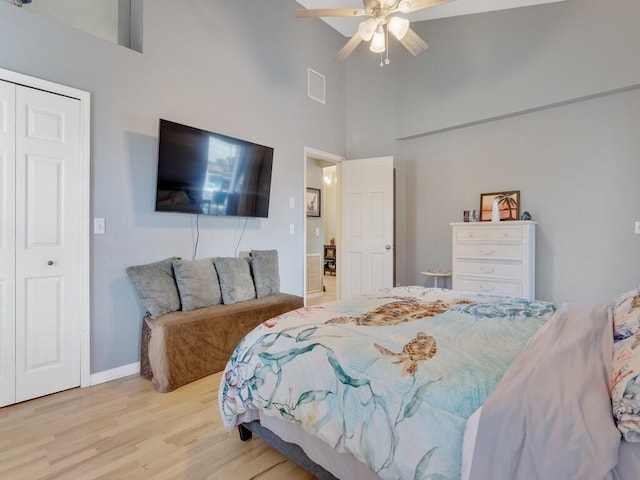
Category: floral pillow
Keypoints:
(625, 387)
(626, 315)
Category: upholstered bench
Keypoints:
(198, 311)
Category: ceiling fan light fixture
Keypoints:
(404, 6)
(377, 42)
(376, 29)
(398, 27)
(367, 28)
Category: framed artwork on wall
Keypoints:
(313, 202)
(508, 205)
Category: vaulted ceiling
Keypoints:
(348, 26)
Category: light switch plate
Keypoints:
(638, 228)
(99, 226)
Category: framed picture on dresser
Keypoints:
(508, 205)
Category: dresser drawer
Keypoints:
(489, 251)
(490, 269)
(488, 233)
(489, 286)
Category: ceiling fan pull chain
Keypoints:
(387, 61)
(376, 29)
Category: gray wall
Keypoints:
(577, 170)
(541, 99)
(103, 18)
(491, 105)
(238, 68)
(488, 65)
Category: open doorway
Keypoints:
(322, 224)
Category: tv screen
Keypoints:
(212, 174)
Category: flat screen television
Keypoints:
(212, 174)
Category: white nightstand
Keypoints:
(436, 274)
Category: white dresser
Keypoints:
(495, 257)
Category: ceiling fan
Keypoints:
(382, 22)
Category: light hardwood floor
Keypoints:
(124, 430)
(329, 295)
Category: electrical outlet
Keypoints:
(99, 226)
(292, 202)
(638, 228)
(317, 232)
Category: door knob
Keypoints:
(387, 247)
(50, 262)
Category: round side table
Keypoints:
(436, 274)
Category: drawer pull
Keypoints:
(484, 288)
(487, 269)
(505, 234)
(487, 252)
(470, 234)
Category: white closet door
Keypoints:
(7, 243)
(48, 236)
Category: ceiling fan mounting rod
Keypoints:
(380, 12)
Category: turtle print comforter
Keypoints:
(390, 377)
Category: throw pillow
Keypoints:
(266, 273)
(236, 283)
(626, 315)
(625, 387)
(156, 287)
(197, 283)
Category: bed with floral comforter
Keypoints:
(390, 377)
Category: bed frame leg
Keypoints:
(245, 433)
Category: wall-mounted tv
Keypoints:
(212, 174)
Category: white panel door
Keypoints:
(7, 243)
(367, 225)
(48, 243)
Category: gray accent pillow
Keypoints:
(156, 287)
(266, 273)
(197, 283)
(236, 283)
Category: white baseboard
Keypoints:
(115, 373)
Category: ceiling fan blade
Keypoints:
(420, 4)
(413, 42)
(349, 47)
(330, 12)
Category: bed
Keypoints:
(419, 383)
